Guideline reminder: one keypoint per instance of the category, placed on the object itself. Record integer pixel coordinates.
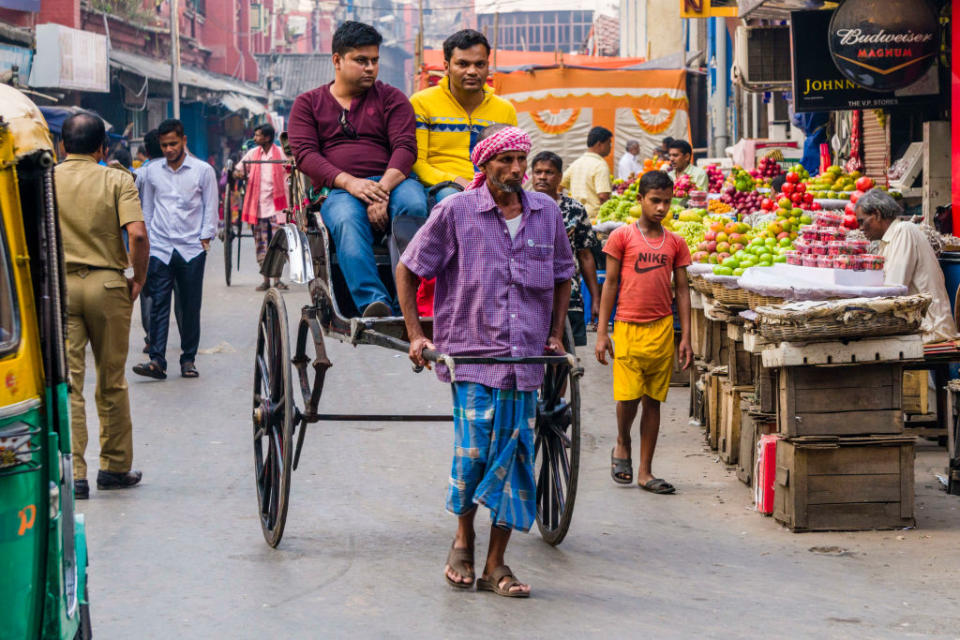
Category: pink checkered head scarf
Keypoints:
(506, 139)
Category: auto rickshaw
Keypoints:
(43, 552)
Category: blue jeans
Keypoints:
(188, 276)
(346, 218)
(446, 192)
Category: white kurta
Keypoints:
(628, 166)
(909, 260)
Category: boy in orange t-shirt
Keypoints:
(642, 346)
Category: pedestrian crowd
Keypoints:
(498, 267)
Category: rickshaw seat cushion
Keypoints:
(403, 230)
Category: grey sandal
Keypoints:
(492, 583)
(660, 486)
(621, 469)
(457, 559)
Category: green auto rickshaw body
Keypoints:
(43, 553)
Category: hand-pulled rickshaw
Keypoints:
(43, 553)
(284, 407)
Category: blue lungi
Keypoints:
(493, 454)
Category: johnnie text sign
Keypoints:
(818, 83)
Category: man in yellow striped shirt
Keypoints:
(451, 114)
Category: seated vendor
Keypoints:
(357, 136)
(908, 259)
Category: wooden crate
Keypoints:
(678, 377)
(698, 333)
(840, 401)
(767, 386)
(844, 484)
(728, 443)
(915, 391)
(714, 409)
(739, 363)
(752, 426)
(717, 343)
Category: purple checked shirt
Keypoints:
(494, 295)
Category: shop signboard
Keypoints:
(70, 59)
(708, 8)
(884, 46)
(819, 85)
(21, 5)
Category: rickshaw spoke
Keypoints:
(556, 480)
(264, 375)
(564, 463)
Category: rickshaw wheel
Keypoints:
(273, 417)
(557, 447)
(227, 240)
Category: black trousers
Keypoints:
(188, 277)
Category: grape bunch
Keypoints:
(691, 232)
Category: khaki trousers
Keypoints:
(98, 312)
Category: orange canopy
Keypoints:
(433, 60)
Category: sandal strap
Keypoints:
(501, 572)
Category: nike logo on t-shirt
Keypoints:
(645, 269)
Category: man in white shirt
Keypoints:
(628, 165)
(180, 201)
(908, 260)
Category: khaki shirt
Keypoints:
(94, 203)
(585, 178)
(909, 260)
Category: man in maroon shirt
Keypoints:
(357, 137)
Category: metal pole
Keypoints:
(175, 57)
(496, 38)
(721, 136)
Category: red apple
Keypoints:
(855, 195)
(864, 183)
(850, 221)
(782, 235)
(815, 206)
(787, 188)
(710, 235)
(722, 256)
(808, 198)
(736, 246)
(712, 246)
(792, 177)
(800, 186)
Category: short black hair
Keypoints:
(681, 145)
(83, 133)
(486, 132)
(142, 150)
(267, 130)
(171, 125)
(464, 40)
(667, 141)
(151, 140)
(654, 180)
(598, 135)
(548, 156)
(353, 35)
(122, 155)
(777, 183)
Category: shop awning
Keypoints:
(154, 69)
(237, 102)
(780, 9)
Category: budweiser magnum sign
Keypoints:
(884, 44)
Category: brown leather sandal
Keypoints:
(457, 559)
(492, 583)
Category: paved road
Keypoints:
(182, 555)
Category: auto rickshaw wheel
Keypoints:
(274, 415)
(557, 446)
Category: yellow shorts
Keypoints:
(643, 359)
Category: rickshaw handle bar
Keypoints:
(452, 361)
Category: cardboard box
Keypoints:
(845, 484)
(841, 400)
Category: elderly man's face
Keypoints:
(505, 171)
(870, 224)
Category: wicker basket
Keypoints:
(701, 285)
(733, 298)
(758, 300)
(826, 329)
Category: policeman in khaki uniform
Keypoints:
(95, 202)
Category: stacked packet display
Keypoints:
(823, 244)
